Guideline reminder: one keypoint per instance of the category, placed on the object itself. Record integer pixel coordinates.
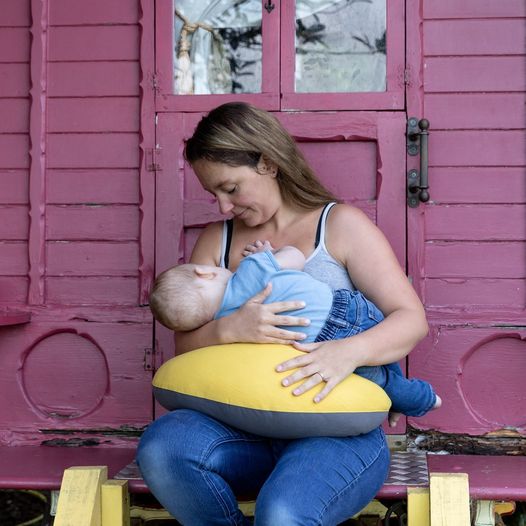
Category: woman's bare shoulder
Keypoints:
(207, 249)
(347, 222)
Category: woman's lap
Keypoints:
(191, 462)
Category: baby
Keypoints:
(187, 296)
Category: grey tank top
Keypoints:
(320, 264)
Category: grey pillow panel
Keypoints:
(275, 424)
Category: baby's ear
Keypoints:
(204, 273)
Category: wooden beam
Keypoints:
(79, 502)
(115, 503)
(418, 506)
(449, 498)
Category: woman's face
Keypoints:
(250, 195)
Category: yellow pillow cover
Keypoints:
(237, 384)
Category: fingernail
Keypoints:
(296, 392)
(285, 383)
(279, 368)
(316, 400)
(306, 321)
(302, 304)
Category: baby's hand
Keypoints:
(256, 247)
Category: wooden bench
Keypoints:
(491, 478)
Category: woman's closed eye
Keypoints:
(231, 189)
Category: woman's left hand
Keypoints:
(323, 363)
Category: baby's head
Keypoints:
(187, 296)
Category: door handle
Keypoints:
(417, 181)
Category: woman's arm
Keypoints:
(254, 322)
(366, 253)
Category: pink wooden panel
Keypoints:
(93, 79)
(115, 114)
(13, 186)
(15, 115)
(476, 222)
(474, 294)
(473, 9)
(15, 13)
(79, 12)
(466, 260)
(93, 43)
(14, 222)
(475, 110)
(480, 374)
(93, 222)
(14, 80)
(476, 74)
(14, 44)
(474, 37)
(92, 291)
(14, 151)
(478, 185)
(92, 259)
(93, 374)
(82, 150)
(477, 148)
(92, 186)
(13, 258)
(13, 289)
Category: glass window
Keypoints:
(340, 46)
(218, 47)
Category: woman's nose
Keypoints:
(225, 206)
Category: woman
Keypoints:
(195, 465)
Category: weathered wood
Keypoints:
(79, 502)
(418, 513)
(100, 186)
(80, 258)
(14, 222)
(90, 43)
(474, 9)
(115, 503)
(475, 74)
(474, 37)
(503, 443)
(16, 115)
(15, 13)
(471, 111)
(13, 258)
(93, 150)
(15, 80)
(458, 259)
(14, 148)
(77, 12)
(93, 79)
(449, 499)
(14, 44)
(118, 114)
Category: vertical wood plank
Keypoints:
(449, 499)
(37, 127)
(79, 502)
(115, 503)
(418, 506)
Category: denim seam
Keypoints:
(353, 482)
(204, 471)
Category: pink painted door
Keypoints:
(466, 250)
(359, 155)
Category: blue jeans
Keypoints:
(195, 465)
(352, 313)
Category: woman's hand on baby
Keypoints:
(256, 247)
(257, 322)
(323, 363)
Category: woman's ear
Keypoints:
(267, 167)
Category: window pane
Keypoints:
(340, 46)
(218, 46)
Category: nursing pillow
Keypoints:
(238, 385)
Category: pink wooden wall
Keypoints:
(77, 208)
(76, 219)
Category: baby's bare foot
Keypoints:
(438, 402)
